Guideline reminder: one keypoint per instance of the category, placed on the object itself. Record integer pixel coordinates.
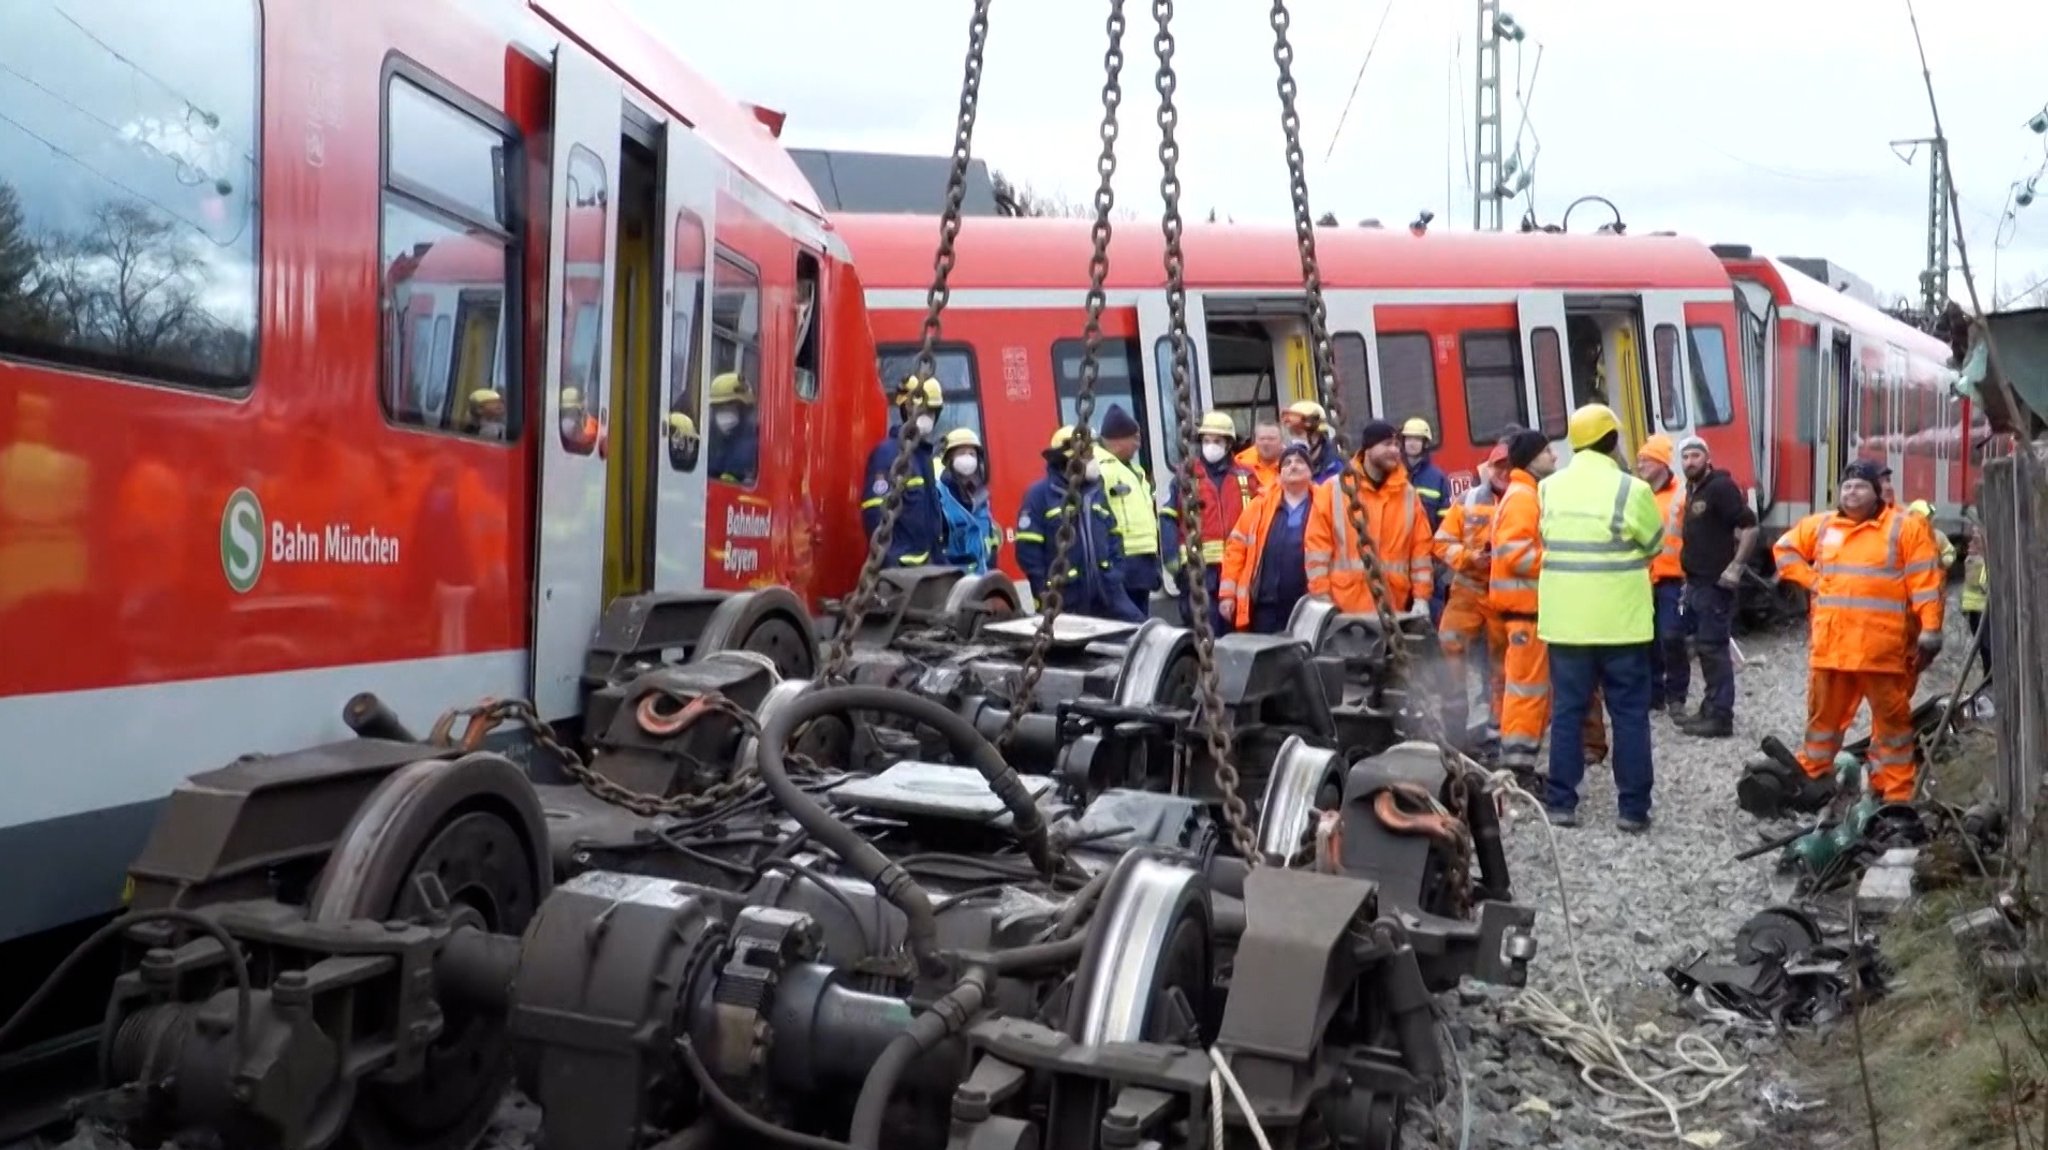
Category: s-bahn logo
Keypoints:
(250, 540)
(241, 540)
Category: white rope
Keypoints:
(1601, 1052)
(1244, 1105)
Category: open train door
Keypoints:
(1155, 350)
(1671, 390)
(689, 181)
(569, 566)
(1546, 371)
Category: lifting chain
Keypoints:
(1081, 448)
(492, 712)
(908, 436)
(1332, 400)
(1235, 814)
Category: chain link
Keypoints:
(1081, 448)
(908, 436)
(521, 713)
(1212, 716)
(1332, 399)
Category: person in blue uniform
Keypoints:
(920, 534)
(971, 537)
(1094, 581)
(735, 431)
(1308, 424)
(1433, 487)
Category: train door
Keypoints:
(1670, 365)
(569, 565)
(689, 181)
(1162, 430)
(1757, 327)
(1547, 382)
(1833, 417)
(631, 439)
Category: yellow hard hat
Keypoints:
(1061, 438)
(1308, 409)
(727, 388)
(1418, 429)
(483, 395)
(1589, 424)
(1922, 508)
(1217, 423)
(959, 437)
(925, 391)
(681, 426)
(571, 398)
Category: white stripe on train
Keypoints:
(73, 752)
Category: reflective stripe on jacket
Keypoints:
(1433, 487)
(1600, 530)
(920, 525)
(1400, 537)
(1246, 546)
(1976, 581)
(1461, 544)
(1517, 547)
(1875, 585)
(1131, 499)
(1225, 495)
(1671, 509)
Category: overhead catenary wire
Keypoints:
(1358, 79)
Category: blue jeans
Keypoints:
(1710, 613)
(1671, 675)
(1622, 675)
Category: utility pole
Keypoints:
(1934, 277)
(1486, 141)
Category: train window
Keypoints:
(580, 388)
(686, 341)
(449, 258)
(1493, 384)
(1806, 388)
(1169, 408)
(1354, 374)
(953, 363)
(1117, 378)
(735, 371)
(128, 200)
(1408, 377)
(1551, 407)
(808, 330)
(1712, 392)
(1670, 396)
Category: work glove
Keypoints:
(1929, 647)
(1731, 578)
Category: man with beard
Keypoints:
(1720, 533)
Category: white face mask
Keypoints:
(726, 420)
(1093, 471)
(925, 424)
(1214, 452)
(966, 464)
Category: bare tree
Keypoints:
(135, 285)
(1021, 199)
(2026, 294)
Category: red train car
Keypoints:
(259, 265)
(1838, 380)
(1469, 331)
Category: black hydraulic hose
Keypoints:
(949, 1013)
(1482, 818)
(370, 718)
(238, 967)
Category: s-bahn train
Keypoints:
(338, 347)
(1469, 331)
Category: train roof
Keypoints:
(726, 124)
(1007, 252)
(1792, 287)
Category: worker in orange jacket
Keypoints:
(1516, 561)
(1265, 570)
(1461, 545)
(1874, 577)
(1671, 669)
(1394, 517)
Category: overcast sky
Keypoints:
(1750, 121)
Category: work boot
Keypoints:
(1709, 727)
(1560, 818)
(1632, 826)
(1678, 712)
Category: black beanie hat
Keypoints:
(1118, 424)
(1375, 433)
(1524, 447)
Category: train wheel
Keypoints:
(1304, 781)
(770, 622)
(981, 599)
(1146, 973)
(466, 839)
